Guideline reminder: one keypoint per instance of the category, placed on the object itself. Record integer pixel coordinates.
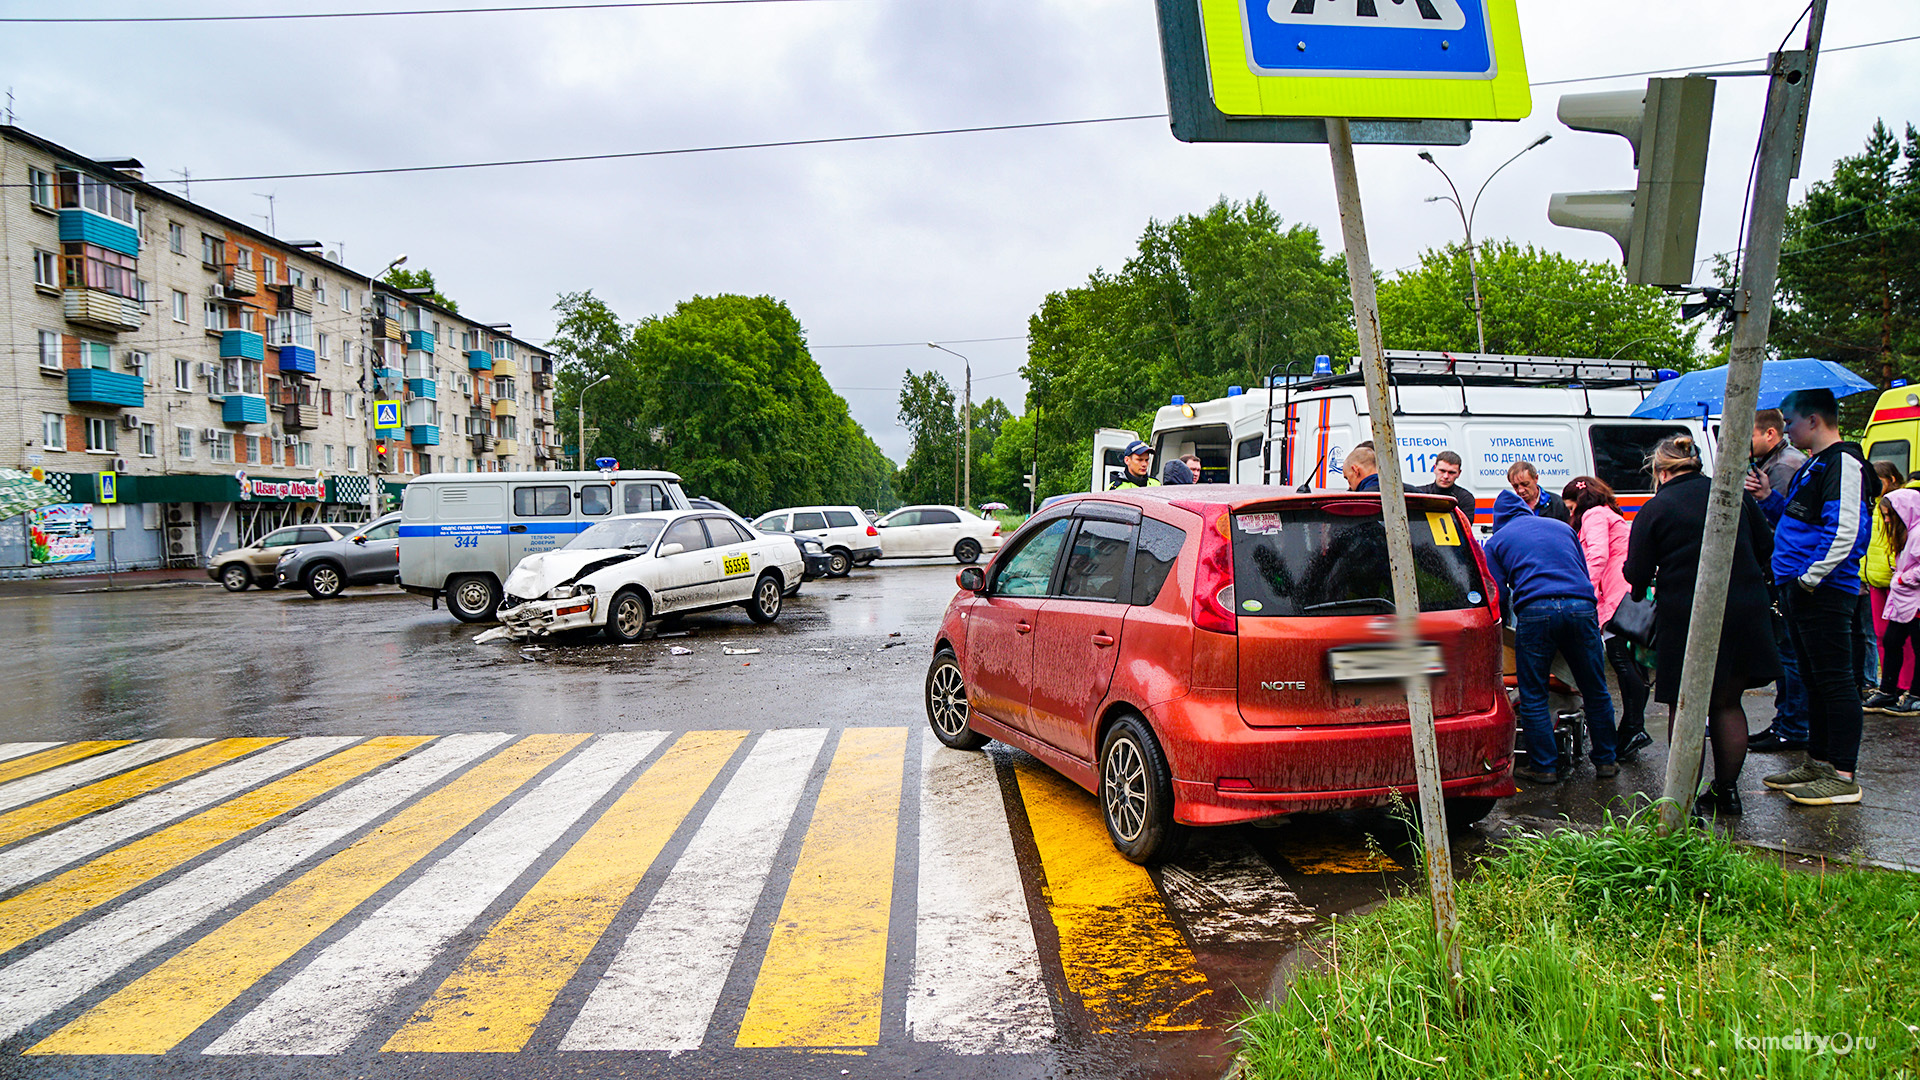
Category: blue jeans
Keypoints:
(1570, 627)
(1790, 700)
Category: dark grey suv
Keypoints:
(368, 556)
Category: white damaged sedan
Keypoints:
(626, 570)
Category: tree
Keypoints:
(1535, 303)
(927, 412)
(402, 278)
(1850, 265)
(724, 392)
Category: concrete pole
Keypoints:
(1393, 506)
(1788, 92)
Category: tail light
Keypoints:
(871, 531)
(1213, 607)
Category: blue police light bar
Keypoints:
(606, 463)
(1235, 391)
(1664, 374)
(1896, 384)
(1323, 364)
(1179, 399)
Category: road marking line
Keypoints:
(662, 987)
(169, 1003)
(78, 962)
(87, 838)
(976, 985)
(1225, 894)
(1122, 954)
(78, 803)
(58, 755)
(325, 1006)
(55, 780)
(42, 907)
(497, 997)
(9, 751)
(1328, 852)
(819, 983)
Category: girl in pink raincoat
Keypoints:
(1900, 514)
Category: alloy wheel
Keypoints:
(1123, 788)
(949, 701)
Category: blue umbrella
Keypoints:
(1704, 392)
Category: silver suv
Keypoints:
(368, 556)
(850, 539)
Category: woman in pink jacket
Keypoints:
(1603, 537)
(1899, 514)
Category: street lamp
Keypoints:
(967, 421)
(1466, 222)
(580, 458)
(391, 267)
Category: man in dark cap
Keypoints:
(1139, 461)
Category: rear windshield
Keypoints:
(1316, 561)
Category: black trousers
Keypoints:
(1633, 687)
(1826, 635)
(1893, 656)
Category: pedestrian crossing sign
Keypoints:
(1371, 59)
(386, 416)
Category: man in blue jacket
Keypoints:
(1822, 526)
(1544, 585)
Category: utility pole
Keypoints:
(1789, 89)
(1393, 512)
(967, 424)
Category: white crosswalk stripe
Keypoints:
(9, 751)
(85, 771)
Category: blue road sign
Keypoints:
(1399, 38)
(386, 414)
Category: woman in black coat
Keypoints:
(1664, 551)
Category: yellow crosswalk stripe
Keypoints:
(59, 755)
(497, 997)
(76, 804)
(1121, 952)
(820, 982)
(156, 1011)
(53, 902)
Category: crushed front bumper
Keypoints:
(539, 618)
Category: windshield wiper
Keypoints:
(1385, 604)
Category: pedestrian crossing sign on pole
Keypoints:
(386, 416)
(1395, 59)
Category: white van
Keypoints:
(1570, 417)
(461, 534)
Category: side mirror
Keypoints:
(671, 549)
(973, 580)
(361, 540)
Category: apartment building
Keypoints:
(228, 379)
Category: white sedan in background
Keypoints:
(627, 570)
(946, 531)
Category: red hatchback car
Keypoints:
(1196, 655)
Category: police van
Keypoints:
(461, 534)
(1570, 417)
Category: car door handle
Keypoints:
(517, 528)
(1103, 639)
(1023, 627)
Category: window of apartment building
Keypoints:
(45, 274)
(269, 269)
(226, 378)
(177, 238)
(216, 316)
(295, 328)
(274, 397)
(270, 329)
(49, 342)
(140, 364)
(503, 389)
(40, 187)
(326, 402)
(223, 446)
(464, 385)
(251, 444)
(183, 438)
(319, 292)
(347, 403)
(303, 455)
(80, 190)
(506, 427)
(246, 319)
(326, 456)
(90, 266)
(252, 376)
(149, 440)
(346, 298)
(321, 343)
(96, 354)
(53, 430)
(213, 250)
(140, 290)
(242, 258)
(297, 276)
(179, 306)
(353, 456)
(101, 437)
(182, 373)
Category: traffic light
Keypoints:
(1658, 222)
(380, 459)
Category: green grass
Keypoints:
(1619, 953)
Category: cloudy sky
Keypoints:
(950, 238)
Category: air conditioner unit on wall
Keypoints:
(179, 514)
(130, 422)
(211, 435)
(292, 441)
(119, 464)
(204, 371)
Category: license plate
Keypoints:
(736, 564)
(1385, 662)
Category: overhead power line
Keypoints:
(284, 16)
(1724, 63)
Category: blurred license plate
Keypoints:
(1385, 662)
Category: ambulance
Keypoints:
(1894, 428)
(1568, 416)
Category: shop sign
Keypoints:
(61, 533)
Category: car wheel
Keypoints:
(947, 708)
(839, 563)
(967, 551)
(1136, 794)
(765, 605)
(324, 581)
(473, 598)
(1465, 810)
(235, 578)
(627, 617)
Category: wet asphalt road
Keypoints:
(197, 663)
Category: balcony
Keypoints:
(295, 297)
(542, 420)
(244, 344)
(479, 360)
(424, 435)
(482, 444)
(420, 341)
(504, 368)
(505, 447)
(240, 282)
(384, 327)
(296, 360)
(101, 310)
(542, 380)
(81, 226)
(98, 386)
(297, 417)
(505, 407)
(243, 408)
(543, 453)
(421, 388)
